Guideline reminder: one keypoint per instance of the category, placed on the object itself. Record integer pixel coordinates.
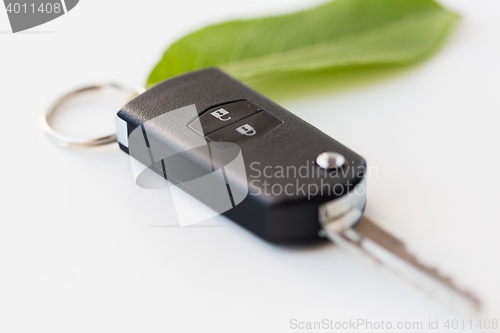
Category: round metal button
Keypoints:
(330, 160)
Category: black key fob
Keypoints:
(239, 153)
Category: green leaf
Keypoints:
(337, 35)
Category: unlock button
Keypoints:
(246, 129)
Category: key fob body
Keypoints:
(278, 195)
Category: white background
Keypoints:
(79, 250)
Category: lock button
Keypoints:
(249, 128)
(220, 116)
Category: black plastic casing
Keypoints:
(277, 218)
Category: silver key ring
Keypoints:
(78, 142)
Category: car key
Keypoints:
(282, 179)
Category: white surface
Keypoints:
(78, 248)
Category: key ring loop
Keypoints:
(68, 141)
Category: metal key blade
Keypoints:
(366, 238)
